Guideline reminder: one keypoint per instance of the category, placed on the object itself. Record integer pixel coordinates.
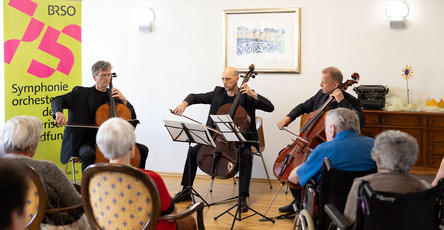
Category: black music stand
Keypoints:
(190, 133)
(232, 134)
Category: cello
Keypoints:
(109, 110)
(311, 135)
(221, 162)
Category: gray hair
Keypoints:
(20, 133)
(335, 74)
(396, 151)
(100, 65)
(115, 138)
(343, 119)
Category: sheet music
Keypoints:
(197, 133)
(200, 133)
(227, 127)
(176, 130)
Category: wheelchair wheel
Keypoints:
(303, 221)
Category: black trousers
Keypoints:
(87, 154)
(189, 171)
(297, 194)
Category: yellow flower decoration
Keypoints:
(407, 72)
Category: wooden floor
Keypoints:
(260, 197)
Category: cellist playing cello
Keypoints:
(331, 79)
(249, 100)
(82, 103)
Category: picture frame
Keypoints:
(268, 38)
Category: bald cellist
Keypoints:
(331, 79)
(82, 103)
(249, 100)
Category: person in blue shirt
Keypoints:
(344, 148)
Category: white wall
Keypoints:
(185, 54)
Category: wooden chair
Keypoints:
(123, 197)
(37, 201)
(258, 152)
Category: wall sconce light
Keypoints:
(146, 19)
(396, 11)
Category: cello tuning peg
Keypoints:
(113, 75)
(355, 76)
(241, 76)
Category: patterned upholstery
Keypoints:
(36, 199)
(32, 201)
(119, 199)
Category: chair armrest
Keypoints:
(197, 207)
(337, 217)
(73, 208)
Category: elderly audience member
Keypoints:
(395, 152)
(121, 152)
(345, 149)
(12, 196)
(20, 136)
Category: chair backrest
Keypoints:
(36, 199)
(118, 196)
(334, 188)
(260, 133)
(384, 210)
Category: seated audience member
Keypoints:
(440, 174)
(121, 152)
(20, 136)
(345, 149)
(395, 153)
(12, 196)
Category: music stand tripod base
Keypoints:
(232, 134)
(190, 133)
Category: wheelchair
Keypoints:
(334, 187)
(385, 210)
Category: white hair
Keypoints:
(115, 138)
(343, 119)
(396, 151)
(20, 133)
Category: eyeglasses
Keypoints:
(105, 75)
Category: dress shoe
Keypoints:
(244, 205)
(181, 197)
(289, 208)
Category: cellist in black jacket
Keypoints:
(331, 79)
(82, 103)
(250, 101)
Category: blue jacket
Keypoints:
(348, 151)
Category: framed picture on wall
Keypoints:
(268, 38)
